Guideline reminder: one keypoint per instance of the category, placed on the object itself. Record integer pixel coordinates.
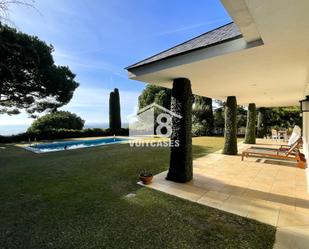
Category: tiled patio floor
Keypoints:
(269, 191)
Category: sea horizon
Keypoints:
(14, 129)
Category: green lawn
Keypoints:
(75, 199)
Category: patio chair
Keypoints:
(296, 134)
(283, 134)
(274, 134)
(283, 153)
(294, 138)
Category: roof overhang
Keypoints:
(267, 65)
(241, 16)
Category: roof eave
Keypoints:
(219, 49)
(135, 65)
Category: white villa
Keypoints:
(262, 57)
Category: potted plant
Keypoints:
(146, 177)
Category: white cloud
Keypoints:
(92, 103)
(78, 61)
(194, 26)
(20, 119)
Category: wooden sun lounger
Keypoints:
(293, 153)
(284, 147)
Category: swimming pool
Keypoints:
(71, 145)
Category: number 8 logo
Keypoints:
(167, 124)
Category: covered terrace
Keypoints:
(262, 59)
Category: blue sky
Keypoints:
(98, 38)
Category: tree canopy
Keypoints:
(155, 94)
(202, 116)
(283, 117)
(5, 6)
(57, 120)
(29, 78)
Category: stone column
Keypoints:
(251, 125)
(180, 169)
(230, 132)
(261, 123)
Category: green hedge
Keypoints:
(62, 134)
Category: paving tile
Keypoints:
(233, 190)
(301, 194)
(260, 186)
(282, 200)
(255, 194)
(188, 195)
(237, 205)
(264, 211)
(283, 190)
(264, 180)
(215, 185)
(164, 188)
(292, 218)
(241, 183)
(213, 199)
(271, 193)
(302, 205)
(292, 238)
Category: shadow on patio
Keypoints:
(270, 191)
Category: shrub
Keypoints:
(198, 129)
(62, 134)
(202, 116)
(56, 121)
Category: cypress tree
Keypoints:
(261, 124)
(251, 125)
(114, 110)
(230, 132)
(112, 100)
(180, 169)
(117, 110)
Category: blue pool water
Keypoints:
(71, 145)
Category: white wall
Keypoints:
(306, 139)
